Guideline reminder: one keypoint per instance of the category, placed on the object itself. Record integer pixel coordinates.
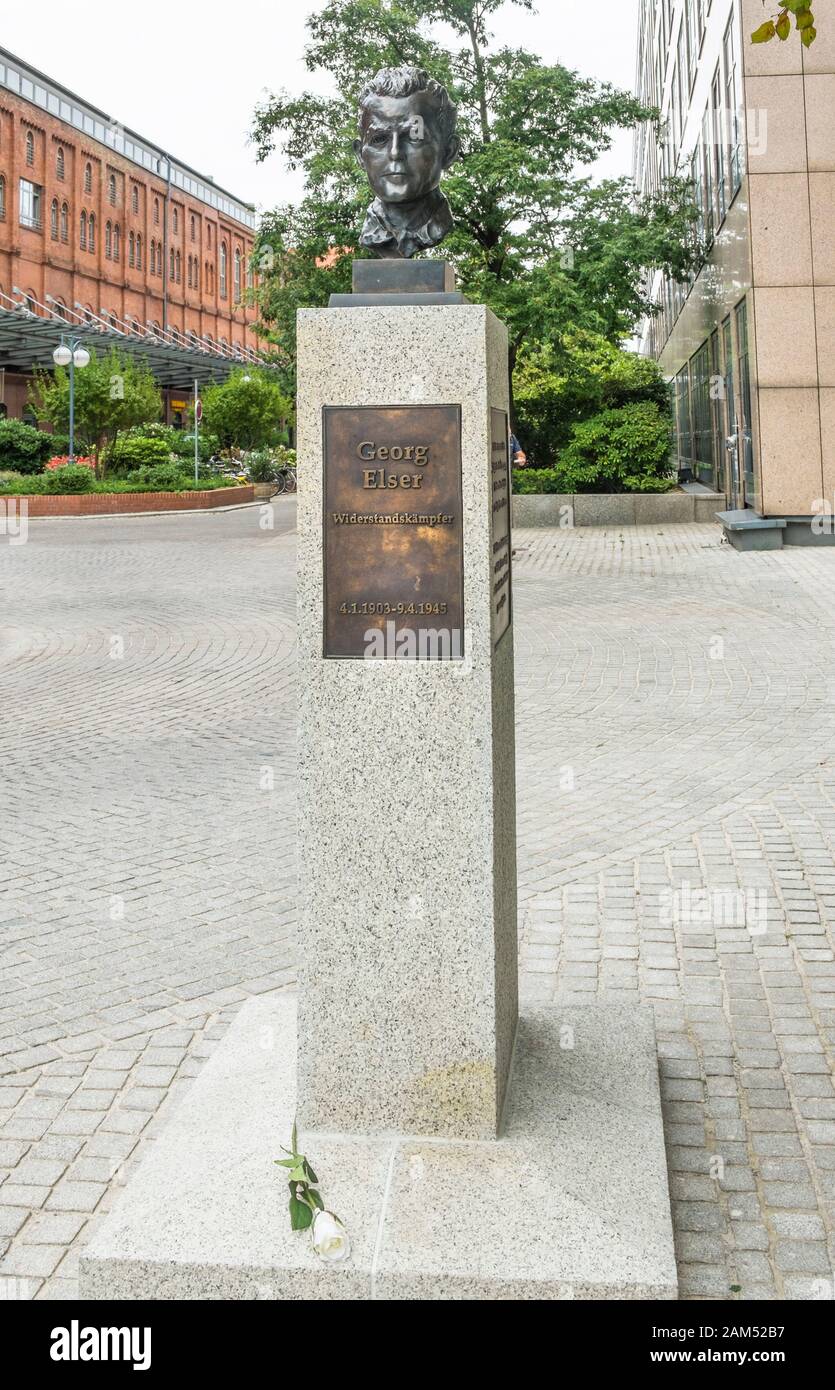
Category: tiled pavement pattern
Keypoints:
(676, 827)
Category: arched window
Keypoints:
(82, 231)
(111, 189)
(139, 251)
(156, 211)
(179, 268)
(108, 241)
(153, 257)
(131, 249)
(65, 222)
(223, 258)
(117, 236)
(53, 219)
(88, 178)
(2, 196)
(175, 219)
(194, 228)
(30, 147)
(250, 276)
(237, 276)
(59, 163)
(196, 274)
(91, 233)
(171, 265)
(134, 199)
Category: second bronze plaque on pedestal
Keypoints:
(393, 533)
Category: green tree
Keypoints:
(560, 384)
(534, 238)
(113, 392)
(779, 26)
(246, 411)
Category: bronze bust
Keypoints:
(406, 141)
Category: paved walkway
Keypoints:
(676, 825)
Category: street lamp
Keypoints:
(71, 353)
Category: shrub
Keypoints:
(526, 480)
(183, 445)
(161, 477)
(70, 478)
(62, 461)
(261, 466)
(24, 448)
(131, 451)
(557, 385)
(622, 450)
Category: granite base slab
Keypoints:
(571, 1201)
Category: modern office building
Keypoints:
(103, 232)
(749, 344)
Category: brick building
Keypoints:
(103, 230)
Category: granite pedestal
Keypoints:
(570, 1202)
(407, 801)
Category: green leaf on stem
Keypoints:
(301, 1216)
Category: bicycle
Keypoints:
(285, 480)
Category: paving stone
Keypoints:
(802, 1256)
(11, 1219)
(688, 770)
(76, 1196)
(31, 1261)
(53, 1228)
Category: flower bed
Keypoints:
(104, 503)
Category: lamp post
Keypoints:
(71, 353)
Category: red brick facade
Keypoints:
(137, 268)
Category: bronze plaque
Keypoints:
(393, 532)
(502, 551)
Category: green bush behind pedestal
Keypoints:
(591, 418)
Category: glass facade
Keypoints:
(690, 52)
(704, 394)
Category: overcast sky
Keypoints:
(188, 75)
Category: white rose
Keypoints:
(330, 1239)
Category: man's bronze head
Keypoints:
(406, 134)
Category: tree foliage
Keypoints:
(779, 26)
(534, 237)
(247, 410)
(113, 392)
(562, 383)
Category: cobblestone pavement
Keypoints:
(676, 827)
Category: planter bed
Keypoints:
(101, 503)
(613, 508)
